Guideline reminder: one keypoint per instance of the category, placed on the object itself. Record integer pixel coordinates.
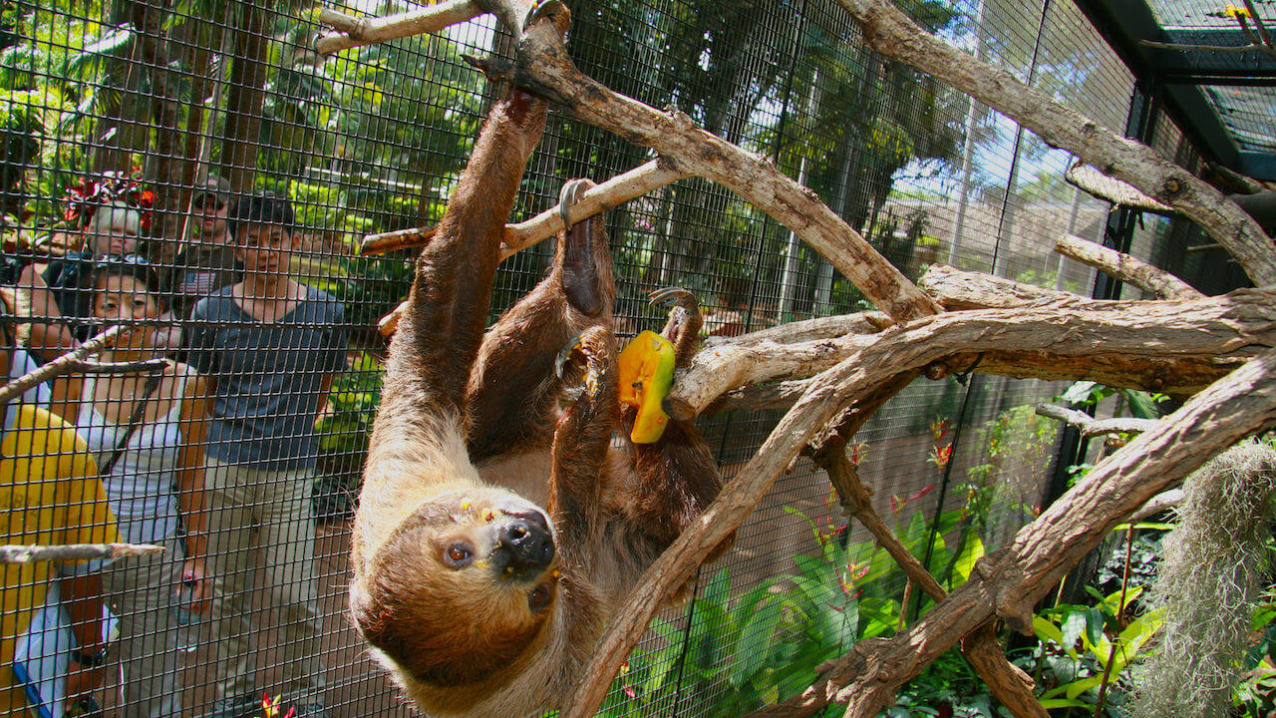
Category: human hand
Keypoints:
(199, 588)
(81, 683)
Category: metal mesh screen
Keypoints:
(128, 108)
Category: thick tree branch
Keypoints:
(1172, 345)
(897, 351)
(11, 553)
(956, 288)
(1125, 268)
(891, 33)
(1008, 584)
(1101, 186)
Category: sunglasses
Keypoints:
(208, 201)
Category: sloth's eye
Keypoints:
(458, 555)
(538, 598)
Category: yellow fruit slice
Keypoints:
(646, 375)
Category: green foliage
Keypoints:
(1083, 647)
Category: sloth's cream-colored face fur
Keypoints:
(481, 591)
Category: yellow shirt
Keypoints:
(50, 495)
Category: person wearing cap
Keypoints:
(208, 263)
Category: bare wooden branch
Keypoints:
(1068, 340)
(117, 367)
(356, 31)
(1008, 584)
(1008, 683)
(1090, 426)
(63, 364)
(958, 289)
(1122, 194)
(857, 502)
(11, 553)
(893, 34)
(544, 66)
(614, 192)
(386, 242)
(1125, 268)
(1163, 501)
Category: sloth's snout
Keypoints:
(525, 546)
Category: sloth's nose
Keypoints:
(526, 545)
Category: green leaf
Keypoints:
(1142, 404)
(1073, 626)
(1049, 703)
(754, 645)
(1046, 630)
(1094, 621)
(970, 553)
(1076, 688)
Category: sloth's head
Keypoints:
(470, 591)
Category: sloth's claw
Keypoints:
(674, 297)
(565, 355)
(568, 196)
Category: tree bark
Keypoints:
(247, 96)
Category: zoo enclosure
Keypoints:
(372, 140)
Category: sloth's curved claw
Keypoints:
(565, 355)
(540, 9)
(568, 196)
(674, 297)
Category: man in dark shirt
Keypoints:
(208, 263)
(271, 347)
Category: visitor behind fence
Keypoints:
(208, 262)
(271, 347)
(146, 432)
(49, 495)
(112, 229)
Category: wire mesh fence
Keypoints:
(140, 128)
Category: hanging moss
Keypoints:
(1211, 577)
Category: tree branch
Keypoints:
(1172, 346)
(1125, 268)
(1009, 685)
(1090, 426)
(891, 33)
(1098, 185)
(599, 198)
(67, 362)
(357, 31)
(11, 553)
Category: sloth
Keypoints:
(505, 513)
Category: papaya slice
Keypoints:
(645, 370)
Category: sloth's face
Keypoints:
(480, 590)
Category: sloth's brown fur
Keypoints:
(471, 443)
